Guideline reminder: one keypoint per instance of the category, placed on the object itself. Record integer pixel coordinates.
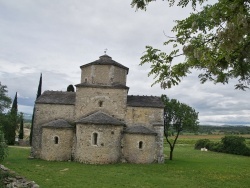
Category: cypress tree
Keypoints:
(10, 125)
(14, 105)
(20, 136)
(39, 92)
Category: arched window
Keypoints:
(94, 138)
(56, 139)
(140, 145)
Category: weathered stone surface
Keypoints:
(107, 149)
(99, 123)
(134, 152)
(16, 181)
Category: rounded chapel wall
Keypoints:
(105, 149)
(139, 148)
(57, 144)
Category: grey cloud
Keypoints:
(57, 38)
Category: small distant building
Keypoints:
(99, 123)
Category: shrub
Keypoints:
(216, 146)
(235, 145)
(228, 144)
(202, 143)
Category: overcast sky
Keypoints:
(56, 37)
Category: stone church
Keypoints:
(99, 123)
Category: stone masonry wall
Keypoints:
(159, 142)
(44, 114)
(86, 76)
(107, 148)
(119, 75)
(134, 154)
(145, 116)
(103, 75)
(57, 144)
(113, 101)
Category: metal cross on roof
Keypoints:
(105, 51)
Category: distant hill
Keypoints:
(225, 129)
(27, 117)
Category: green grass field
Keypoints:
(190, 168)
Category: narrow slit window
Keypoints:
(94, 138)
(56, 139)
(100, 103)
(140, 145)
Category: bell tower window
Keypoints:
(100, 103)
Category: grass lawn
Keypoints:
(190, 169)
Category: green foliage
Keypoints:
(21, 132)
(39, 92)
(9, 127)
(3, 147)
(14, 107)
(202, 143)
(215, 41)
(8, 120)
(142, 4)
(216, 146)
(235, 145)
(5, 101)
(70, 88)
(229, 144)
(177, 117)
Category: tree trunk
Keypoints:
(171, 153)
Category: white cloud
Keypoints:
(55, 38)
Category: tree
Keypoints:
(8, 119)
(5, 101)
(3, 147)
(70, 88)
(20, 136)
(177, 117)
(215, 41)
(39, 92)
(10, 123)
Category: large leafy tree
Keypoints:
(5, 102)
(214, 40)
(177, 117)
